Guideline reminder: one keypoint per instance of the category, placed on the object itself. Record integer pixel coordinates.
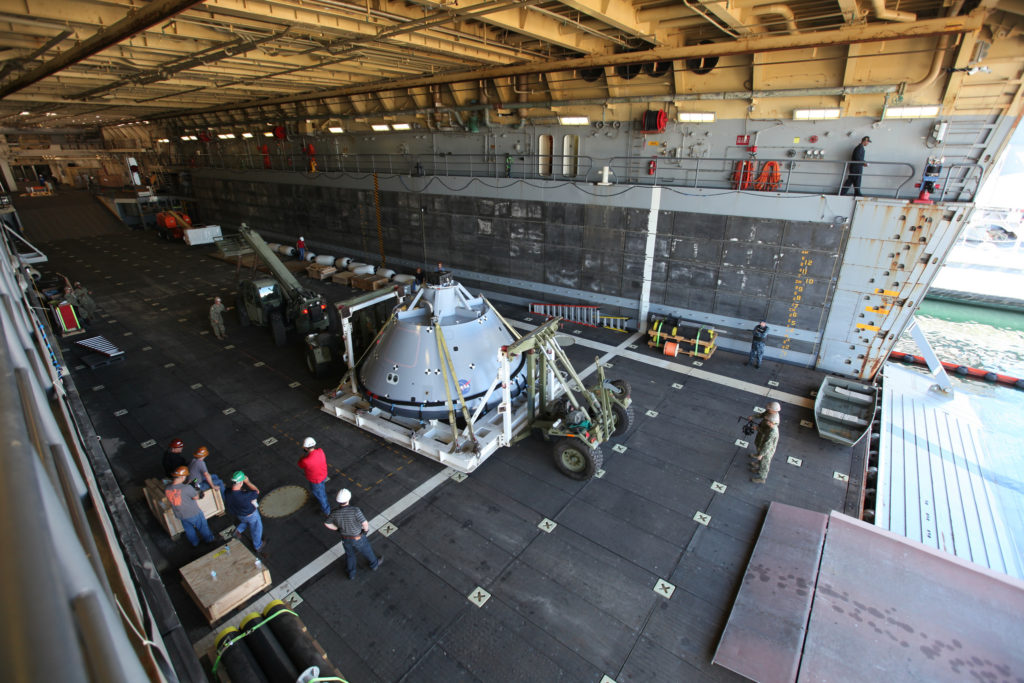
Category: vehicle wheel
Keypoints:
(622, 387)
(623, 419)
(315, 367)
(575, 460)
(277, 329)
(243, 315)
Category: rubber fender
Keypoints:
(237, 659)
(269, 654)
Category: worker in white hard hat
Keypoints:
(300, 247)
(314, 464)
(353, 526)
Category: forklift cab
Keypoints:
(259, 299)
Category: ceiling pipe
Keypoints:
(782, 10)
(152, 13)
(883, 12)
(939, 57)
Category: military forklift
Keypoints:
(277, 300)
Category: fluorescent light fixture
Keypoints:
(696, 117)
(400, 126)
(815, 114)
(193, 138)
(268, 134)
(574, 120)
(246, 135)
(336, 129)
(924, 111)
(163, 140)
(380, 127)
(186, 137)
(28, 113)
(226, 136)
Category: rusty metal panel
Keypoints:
(892, 257)
(889, 609)
(764, 636)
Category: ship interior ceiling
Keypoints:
(636, 167)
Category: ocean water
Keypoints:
(994, 340)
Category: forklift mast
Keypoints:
(290, 286)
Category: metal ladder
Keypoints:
(615, 322)
(581, 315)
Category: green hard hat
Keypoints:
(238, 476)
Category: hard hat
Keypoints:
(344, 496)
(309, 442)
(238, 477)
(774, 406)
(202, 452)
(177, 443)
(180, 471)
(301, 237)
(773, 418)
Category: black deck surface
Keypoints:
(578, 603)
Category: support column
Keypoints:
(652, 236)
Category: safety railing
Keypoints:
(889, 179)
(61, 579)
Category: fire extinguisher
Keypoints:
(652, 166)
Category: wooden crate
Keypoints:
(211, 504)
(239, 576)
(343, 277)
(320, 271)
(370, 283)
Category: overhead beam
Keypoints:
(153, 12)
(619, 14)
(726, 17)
(748, 45)
(15, 64)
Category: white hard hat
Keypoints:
(344, 496)
(309, 442)
(774, 406)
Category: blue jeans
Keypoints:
(196, 527)
(254, 523)
(302, 253)
(319, 492)
(205, 485)
(756, 353)
(362, 545)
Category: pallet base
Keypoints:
(96, 360)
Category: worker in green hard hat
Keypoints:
(241, 501)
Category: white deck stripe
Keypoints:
(324, 560)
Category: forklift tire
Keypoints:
(576, 460)
(277, 329)
(243, 315)
(623, 419)
(315, 367)
(622, 387)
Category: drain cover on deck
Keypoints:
(283, 501)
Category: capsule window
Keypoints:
(392, 378)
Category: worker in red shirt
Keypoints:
(314, 464)
(300, 246)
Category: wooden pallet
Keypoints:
(225, 579)
(702, 346)
(319, 271)
(343, 277)
(370, 283)
(211, 504)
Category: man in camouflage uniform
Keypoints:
(217, 319)
(766, 441)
